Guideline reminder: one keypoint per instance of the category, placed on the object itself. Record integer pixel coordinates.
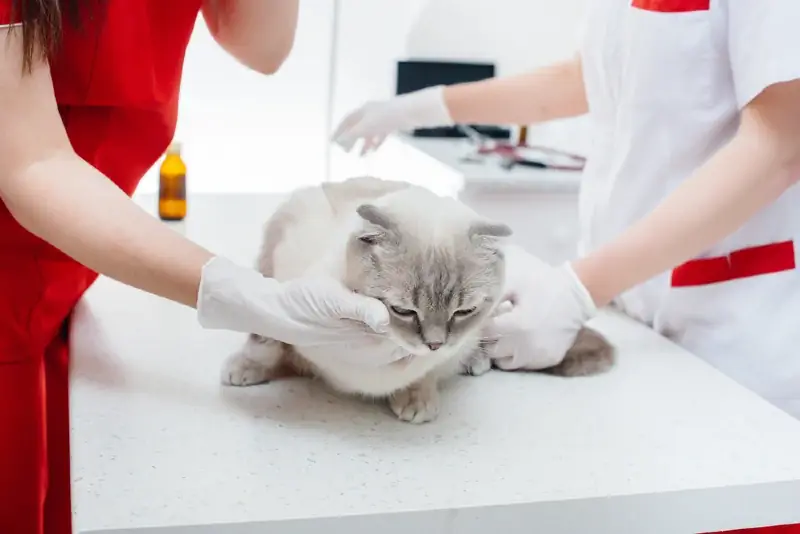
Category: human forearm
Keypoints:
(69, 204)
(259, 33)
(548, 93)
(742, 178)
(552, 92)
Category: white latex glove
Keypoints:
(303, 312)
(374, 121)
(549, 307)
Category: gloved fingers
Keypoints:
(508, 324)
(517, 356)
(364, 125)
(503, 347)
(366, 146)
(507, 363)
(519, 363)
(371, 144)
(359, 132)
(346, 141)
(343, 135)
(504, 353)
(518, 348)
(369, 311)
(504, 307)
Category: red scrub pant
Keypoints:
(36, 297)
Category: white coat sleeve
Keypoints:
(763, 44)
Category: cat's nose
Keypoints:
(436, 345)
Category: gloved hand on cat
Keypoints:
(550, 305)
(302, 312)
(373, 121)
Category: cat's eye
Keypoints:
(465, 312)
(403, 312)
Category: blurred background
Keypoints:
(244, 133)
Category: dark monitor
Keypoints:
(413, 75)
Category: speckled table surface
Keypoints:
(663, 443)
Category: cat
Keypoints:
(435, 264)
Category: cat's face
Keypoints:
(438, 292)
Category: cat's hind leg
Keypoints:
(259, 360)
(418, 403)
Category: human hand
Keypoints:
(374, 121)
(302, 312)
(549, 305)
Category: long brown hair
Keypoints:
(42, 25)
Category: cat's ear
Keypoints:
(380, 224)
(489, 229)
(487, 235)
(376, 216)
(371, 238)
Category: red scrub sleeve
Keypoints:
(6, 14)
(763, 44)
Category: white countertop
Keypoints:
(440, 164)
(662, 444)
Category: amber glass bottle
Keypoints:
(522, 136)
(172, 186)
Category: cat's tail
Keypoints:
(591, 354)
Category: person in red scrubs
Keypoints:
(88, 102)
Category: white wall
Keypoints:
(517, 35)
(245, 132)
(371, 35)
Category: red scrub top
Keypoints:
(116, 80)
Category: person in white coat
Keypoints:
(689, 206)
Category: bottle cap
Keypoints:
(174, 148)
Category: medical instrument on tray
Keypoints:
(525, 155)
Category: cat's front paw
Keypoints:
(415, 404)
(242, 370)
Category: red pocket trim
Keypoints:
(743, 263)
(672, 6)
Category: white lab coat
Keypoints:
(666, 80)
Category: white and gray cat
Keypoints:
(436, 265)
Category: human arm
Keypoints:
(548, 93)
(751, 171)
(552, 92)
(258, 33)
(62, 199)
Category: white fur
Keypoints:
(314, 241)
